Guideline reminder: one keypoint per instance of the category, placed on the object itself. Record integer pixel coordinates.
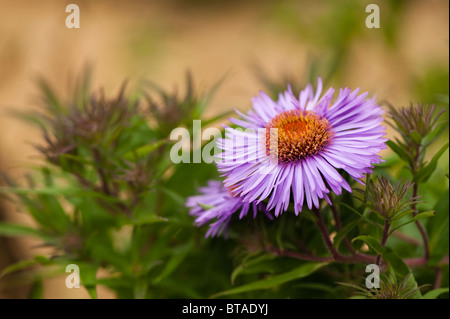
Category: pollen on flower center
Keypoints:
(299, 134)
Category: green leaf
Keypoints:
(400, 268)
(371, 242)
(400, 151)
(411, 284)
(416, 137)
(32, 118)
(206, 206)
(248, 263)
(425, 172)
(179, 254)
(147, 220)
(433, 294)
(76, 158)
(423, 215)
(39, 191)
(177, 198)
(144, 150)
(216, 118)
(57, 217)
(53, 104)
(431, 137)
(9, 229)
(105, 253)
(201, 105)
(343, 232)
(403, 214)
(315, 286)
(58, 191)
(297, 273)
(438, 230)
(88, 275)
(36, 290)
(361, 215)
(357, 297)
(18, 266)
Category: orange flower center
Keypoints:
(299, 134)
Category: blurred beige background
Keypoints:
(160, 40)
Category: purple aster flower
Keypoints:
(216, 204)
(303, 143)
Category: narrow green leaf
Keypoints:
(416, 137)
(398, 150)
(216, 118)
(248, 263)
(179, 254)
(88, 275)
(201, 105)
(297, 273)
(400, 268)
(33, 118)
(40, 191)
(431, 137)
(57, 218)
(9, 229)
(425, 172)
(438, 230)
(53, 103)
(76, 158)
(57, 191)
(403, 214)
(177, 198)
(361, 215)
(423, 215)
(36, 290)
(357, 297)
(371, 242)
(343, 232)
(144, 150)
(105, 253)
(18, 266)
(147, 220)
(411, 285)
(433, 294)
(205, 206)
(316, 286)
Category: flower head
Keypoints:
(415, 122)
(388, 200)
(216, 204)
(390, 288)
(304, 142)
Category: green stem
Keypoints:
(422, 231)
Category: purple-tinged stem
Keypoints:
(337, 219)
(326, 236)
(387, 225)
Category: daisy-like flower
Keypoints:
(303, 144)
(216, 205)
